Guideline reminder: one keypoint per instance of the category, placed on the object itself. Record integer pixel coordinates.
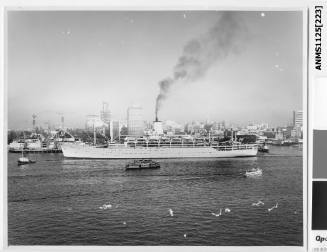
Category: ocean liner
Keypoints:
(159, 146)
(159, 150)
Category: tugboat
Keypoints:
(25, 160)
(142, 164)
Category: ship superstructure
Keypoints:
(160, 147)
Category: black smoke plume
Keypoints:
(199, 54)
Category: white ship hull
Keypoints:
(123, 152)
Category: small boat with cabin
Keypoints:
(263, 148)
(25, 160)
(142, 164)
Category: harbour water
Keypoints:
(59, 201)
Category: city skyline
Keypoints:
(97, 121)
(77, 60)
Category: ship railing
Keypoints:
(237, 147)
(189, 145)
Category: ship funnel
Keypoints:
(157, 127)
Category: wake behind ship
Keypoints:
(159, 151)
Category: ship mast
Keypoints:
(94, 136)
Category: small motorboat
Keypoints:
(25, 160)
(253, 173)
(263, 148)
(142, 164)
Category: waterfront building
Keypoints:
(279, 134)
(93, 121)
(135, 123)
(221, 125)
(297, 124)
(105, 113)
(263, 126)
(171, 126)
(252, 127)
(269, 133)
(298, 118)
(299, 132)
(288, 132)
(115, 131)
(257, 127)
(105, 116)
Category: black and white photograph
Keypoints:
(155, 127)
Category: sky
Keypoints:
(69, 62)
